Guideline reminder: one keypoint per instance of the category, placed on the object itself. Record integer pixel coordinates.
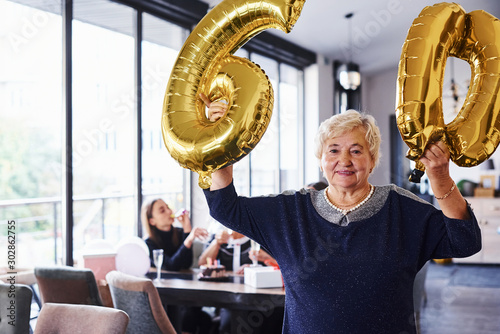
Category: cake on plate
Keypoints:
(212, 272)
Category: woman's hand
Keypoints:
(221, 178)
(185, 221)
(197, 233)
(260, 255)
(436, 159)
(222, 237)
(241, 270)
(215, 109)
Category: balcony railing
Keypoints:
(39, 227)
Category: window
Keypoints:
(162, 176)
(291, 133)
(30, 132)
(275, 164)
(276, 161)
(103, 108)
(265, 157)
(114, 44)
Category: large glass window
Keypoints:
(241, 169)
(161, 175)
(103, 122)
(104, 107)
(30, 132)
(275, 164)
(290, 109)
(265, 157)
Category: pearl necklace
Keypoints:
(346, 211)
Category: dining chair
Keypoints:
(64, 284)
(139, 298)
(16, 307)
(77, 318)
(24, 276)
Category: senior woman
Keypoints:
(349, 253)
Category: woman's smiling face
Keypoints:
(346, 161)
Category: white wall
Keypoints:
(379, 96)
(318, 86)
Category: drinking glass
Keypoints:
(255, 247)
(158, 260)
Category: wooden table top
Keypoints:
(184, 288)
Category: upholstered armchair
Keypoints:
(67, 285)
(140, 299)
(70, 318)
(19, 296)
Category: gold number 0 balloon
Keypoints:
(206, 65)
(440, 31)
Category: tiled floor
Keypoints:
(462, 299)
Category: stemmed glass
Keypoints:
(254, 246)
(158, 260)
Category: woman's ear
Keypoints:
(152, 221)
(373, 165)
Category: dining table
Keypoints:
(248, 304)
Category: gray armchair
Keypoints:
(140, 299)
(21, 295)
(67, 285)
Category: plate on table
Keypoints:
(213, 279)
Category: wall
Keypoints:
(318, 81)
(378, 100)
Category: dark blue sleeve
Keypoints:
(181, 259)
(249, 216)
(459, 238)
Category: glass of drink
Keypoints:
(158, 260)
(254, 246)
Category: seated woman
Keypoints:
(226, 244)
(234, 251)
(158, 218)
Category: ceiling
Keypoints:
(379, 28)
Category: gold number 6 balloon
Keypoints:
(440, 31)
(206, 65)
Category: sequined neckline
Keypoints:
(346, 211)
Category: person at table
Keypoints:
(349, 253)
(234, 251)
(177, 244)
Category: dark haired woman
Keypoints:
(157, 219)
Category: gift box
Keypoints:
(263, 277)
(100, 263)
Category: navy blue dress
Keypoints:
(349, 273)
